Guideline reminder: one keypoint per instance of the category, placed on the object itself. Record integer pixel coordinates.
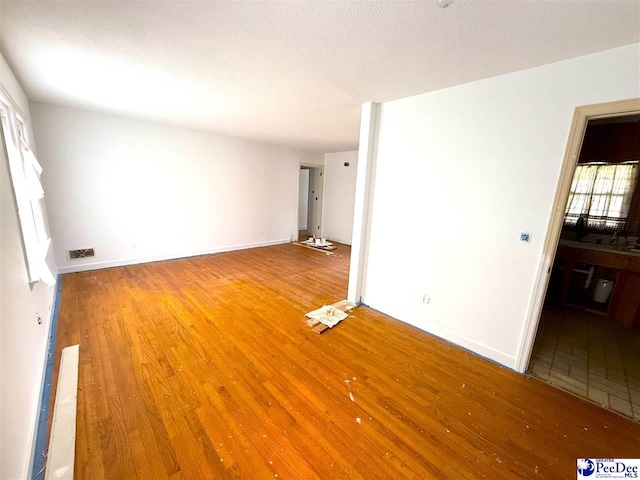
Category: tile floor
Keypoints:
(591, 356)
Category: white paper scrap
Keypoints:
(327, 315)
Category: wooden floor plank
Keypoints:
(204, 368)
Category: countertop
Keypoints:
(600, 247)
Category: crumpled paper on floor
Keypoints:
(327, 315)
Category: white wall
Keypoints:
(339, 195)
(303, 199)
(459, 173)
(136, 190)
(23, 342)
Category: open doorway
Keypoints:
(310, 202)
(588, 335)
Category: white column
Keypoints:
(364, 178)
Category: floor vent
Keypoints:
(81, 253)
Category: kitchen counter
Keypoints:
(600, 247)
(598, 254)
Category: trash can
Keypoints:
(603, 290)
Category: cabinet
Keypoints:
(624, 303)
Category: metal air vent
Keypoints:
(81, 253)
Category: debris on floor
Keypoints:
(318, 244)
(329, 315)
(345, 306)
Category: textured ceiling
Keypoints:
(291, 73)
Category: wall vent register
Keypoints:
(81, 253)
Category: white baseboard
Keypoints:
(471, 345)
(338, 240)
(478, 348)
(136, 261)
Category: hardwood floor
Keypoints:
(204, 368)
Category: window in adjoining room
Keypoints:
(602, 194)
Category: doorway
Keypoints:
(587, 331)
(310, 202)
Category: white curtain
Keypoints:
(602, 193)
(32, 172)
(24, 171)
(37, 257)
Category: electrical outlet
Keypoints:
(426, 299)
(525, 236)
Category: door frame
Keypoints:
(581, 117)
(302, 167)
(320, 168)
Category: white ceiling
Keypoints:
(291, 73)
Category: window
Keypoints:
(24, 171)
(602, 193)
